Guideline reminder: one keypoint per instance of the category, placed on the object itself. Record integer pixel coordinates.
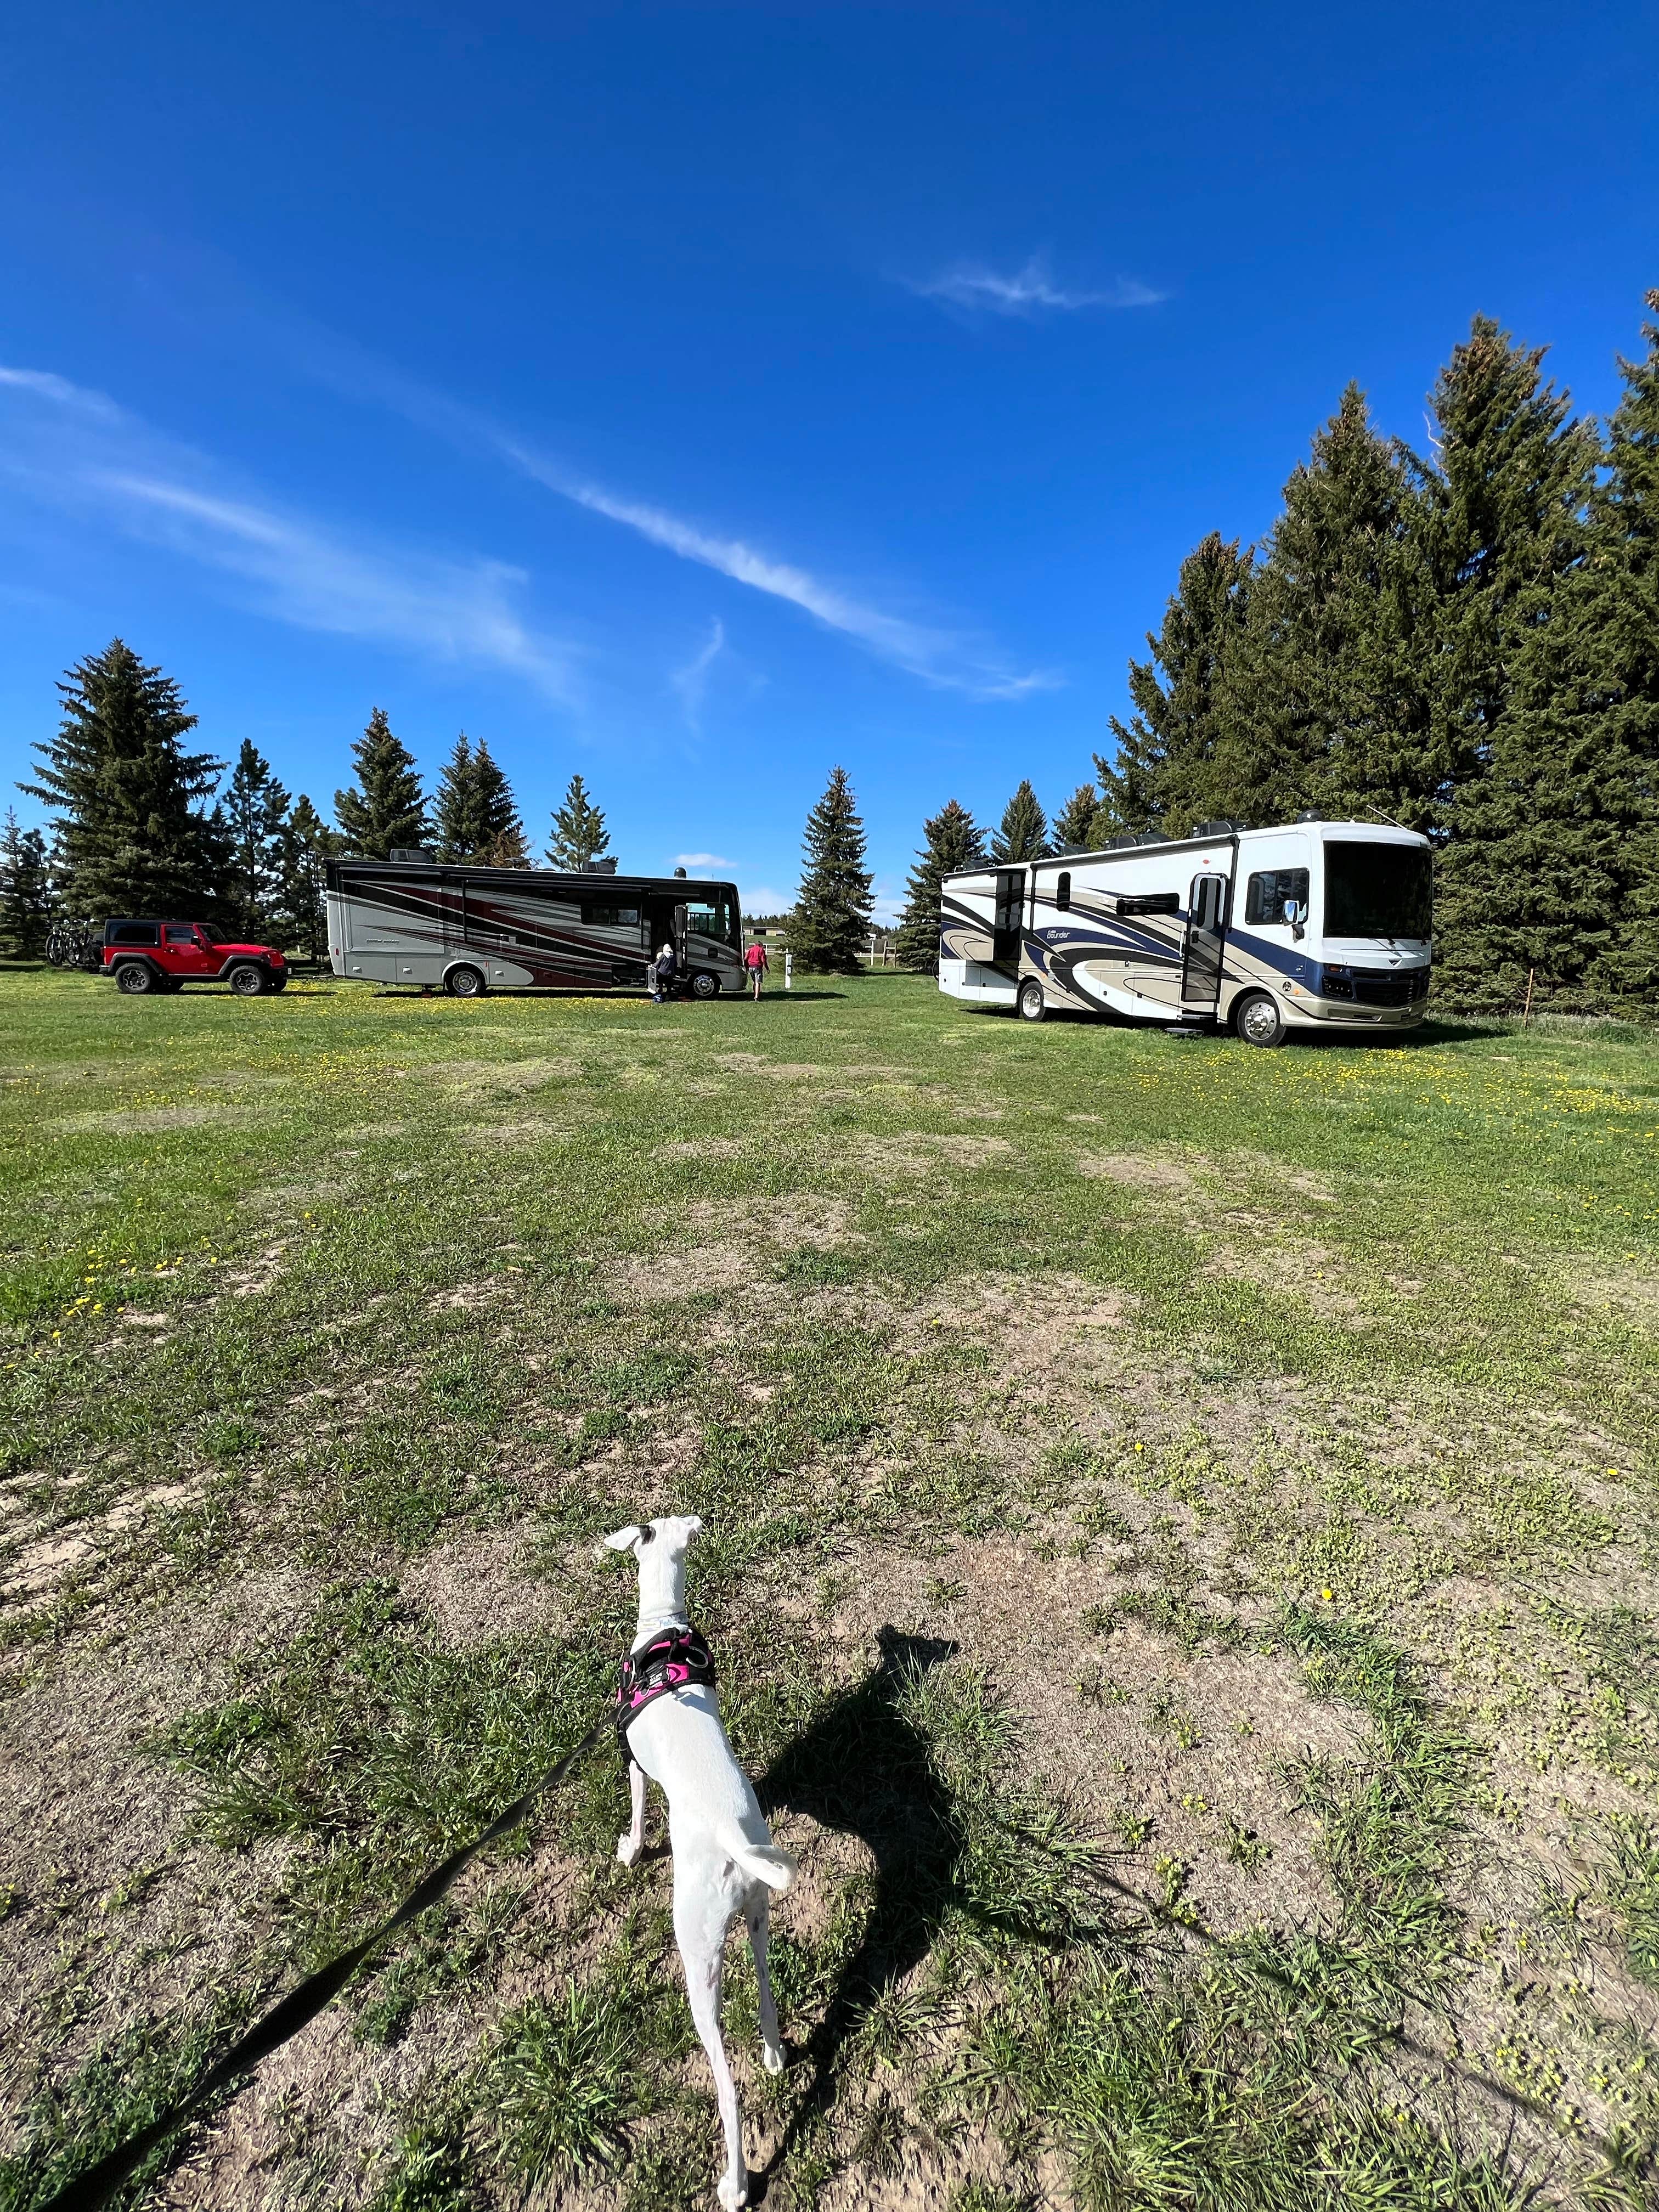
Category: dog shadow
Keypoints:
(863, 1768)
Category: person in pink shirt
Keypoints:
(755, 961)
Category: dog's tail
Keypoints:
(760, 1862)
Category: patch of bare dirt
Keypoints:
(670, 1276)
(478, 1077)
(792, 1219)
(477, 1588)
(918, 1153)
(709, 1148)
(1140, 1170)
(249, 1282)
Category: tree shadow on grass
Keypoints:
(864, 1768)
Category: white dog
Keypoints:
(724, 1859)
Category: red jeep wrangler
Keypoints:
(165, 955)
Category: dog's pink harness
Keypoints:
(679, 1659)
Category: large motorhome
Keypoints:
(1313, 924)
(471, 930)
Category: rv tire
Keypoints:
(1259, 1020)
(1030, 1001)
(705, 986)
(464, 983)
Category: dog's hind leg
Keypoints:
(629, 1846)
(702, 1964)
(758, 1915)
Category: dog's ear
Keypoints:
(625, 1540)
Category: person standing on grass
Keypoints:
(755, 961)
(662, 974)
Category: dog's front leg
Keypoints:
(703, 1986)
(758, 1916)
(629, 1846)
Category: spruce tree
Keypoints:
(458, 831)
(25, 890)
(1161, 775)
(1511, 492)
(302, 919)
(830, 925)
(253, 823)
(1022, 833)
(952, 841)
(385, 807)
(1559, 878)
(1074, 825)
(502, 842)
(1325, 701)
(579, 834)
(131, 837)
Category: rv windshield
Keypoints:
(1377, 890)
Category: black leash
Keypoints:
(85, 2191)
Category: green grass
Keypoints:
(335, 1327)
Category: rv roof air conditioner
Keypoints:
(412, 856)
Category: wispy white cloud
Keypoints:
(942, 658)
(1029, 291)
(78, 450)
(692, 681)
(948, 660)
(702, 860)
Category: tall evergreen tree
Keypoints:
(1022, 833)
(130, 834)
(458, 831)
(1074, 825)
(300, 923)
(252, 824)
(502, 844)
(1556, 875)
(385, 807)
(578, 833)
(830, 925)
(25, 890)
(1510, 493)
(1161, 775)
(1324, 701)
(951, 840)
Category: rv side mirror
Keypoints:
(1294, 914)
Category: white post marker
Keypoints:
(789, 971)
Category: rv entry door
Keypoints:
(1201, 961)
(1005, 922)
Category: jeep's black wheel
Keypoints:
(1030, 1001)
(464, 983)
(248, 982)
(134, 976)
(1259, 1020)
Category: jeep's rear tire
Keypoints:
(464, 983)
(1260, 1021)
(135, 976)
(248, 980)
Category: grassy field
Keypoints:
(1182, 1553)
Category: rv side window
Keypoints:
(1266, 892)
(1063, 891)
(716, 917)
(1011, 897)
(598, 913)
(1150, 902)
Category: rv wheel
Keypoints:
(705, 986)
(1259, 1020)
(464, 983)
(1031, 1008)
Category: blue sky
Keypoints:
(697, 397)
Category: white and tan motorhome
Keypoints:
(1313, 924)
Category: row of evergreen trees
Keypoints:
(1465, 643)
(142, 826)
